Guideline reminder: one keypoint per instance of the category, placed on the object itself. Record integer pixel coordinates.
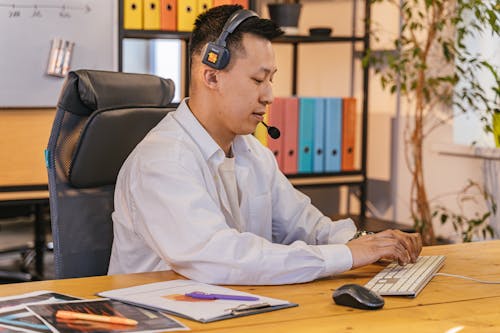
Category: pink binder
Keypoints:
(290, 131)
(275, 116)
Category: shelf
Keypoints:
(156, 34)
(184, 35)
(346, 178)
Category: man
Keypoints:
(200, 195)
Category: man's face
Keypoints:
(245, 87)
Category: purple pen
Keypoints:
(202, 295)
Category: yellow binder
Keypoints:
(203, 6)
(151, 14)
(261, 132)
(132, 14)
(186, 15)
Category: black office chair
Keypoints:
(100, 118)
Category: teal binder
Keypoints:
(333, 134)
(319, 136)
(306, 134)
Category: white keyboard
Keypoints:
(406, 280)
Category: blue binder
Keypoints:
(306, 136)
(333, 134)
(319, 136)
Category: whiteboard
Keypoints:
(27, 30)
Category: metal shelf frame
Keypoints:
(356, 178)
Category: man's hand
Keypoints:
(389, 244)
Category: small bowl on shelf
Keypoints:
(320, 31)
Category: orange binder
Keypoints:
(348, 132)
(243, 3)
(290, 128)
(186, 14)
(203, 6)
(132, 14)
(151, 14)
(275, 113)
(168, 15)
(216, 3)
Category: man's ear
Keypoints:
(210, 77)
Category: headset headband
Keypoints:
(217, 55)
(232, 23)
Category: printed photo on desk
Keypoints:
(145, 320)
(196, 301)
(14, 317)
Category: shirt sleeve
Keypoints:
(184, 226)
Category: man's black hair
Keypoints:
(208, 26)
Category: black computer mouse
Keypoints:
(357, 296)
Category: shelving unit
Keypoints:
(357, 178)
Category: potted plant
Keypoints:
(286, 14)
(470, 225)
(434, 68)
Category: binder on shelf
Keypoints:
(186, 14)
(132, 14)
(168, 15)
(290, 139)
(319, 136)
(261, 132)
(217, 3)
(203, 6)
(306, 134)
(151, 14)
(333, 134)
(243, 3)
(348, 132)
(275, 116)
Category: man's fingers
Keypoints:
(411, 242)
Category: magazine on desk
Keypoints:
(14, 317)
(196, 301)
(144, 320)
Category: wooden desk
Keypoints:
(445, 303)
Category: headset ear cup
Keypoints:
(216, 56)
(224, 59)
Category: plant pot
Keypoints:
(496, 128)
(286, 15)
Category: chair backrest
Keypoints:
(101, 116)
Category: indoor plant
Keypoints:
(434, 68)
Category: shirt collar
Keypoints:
(207, 144)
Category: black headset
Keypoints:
(217, 55)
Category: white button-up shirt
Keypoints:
(171, 212)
